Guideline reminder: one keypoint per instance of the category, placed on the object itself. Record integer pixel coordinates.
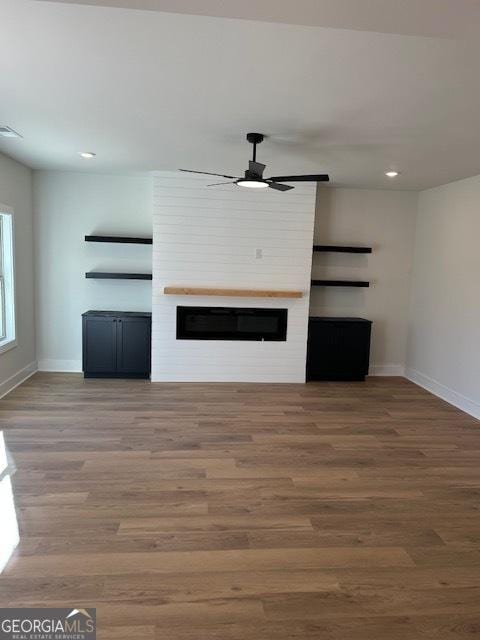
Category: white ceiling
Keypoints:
(156, 90)
(438, 18)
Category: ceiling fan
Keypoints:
(254, 174)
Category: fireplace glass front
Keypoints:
(231, 323)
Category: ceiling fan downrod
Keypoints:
(255, 138)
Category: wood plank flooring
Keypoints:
(240, 512)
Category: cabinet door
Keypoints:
(99, 344)
(133, 345)
(338, 350)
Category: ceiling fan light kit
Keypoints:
(254, 179)
(253, 184)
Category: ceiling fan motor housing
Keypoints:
(252, 175)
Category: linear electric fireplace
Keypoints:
(231, 323)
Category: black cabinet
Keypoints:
(338, 348)
(116, 344)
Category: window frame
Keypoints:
(10, 341)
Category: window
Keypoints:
(7, 291)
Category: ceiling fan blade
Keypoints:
(207, 173)
(315, 177)
(256, 167)
(280, 187)
(217, 184)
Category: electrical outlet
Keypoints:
(258, 254)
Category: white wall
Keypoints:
(69, 206)
(208, 237)
(385, 221)
(16, 191)
(444, 337)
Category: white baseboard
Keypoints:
(449, 395)
(214, 379)
(62, 366)
(17, 379)
(386, 370)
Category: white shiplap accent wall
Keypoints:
(208, 238)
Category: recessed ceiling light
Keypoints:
(87, 154)
(8, 132)
(391, 174)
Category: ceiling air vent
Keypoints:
(8, 132)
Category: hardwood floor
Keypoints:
(246, 512)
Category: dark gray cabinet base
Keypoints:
(116, 344)
(338, 348)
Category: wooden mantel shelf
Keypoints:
(236, 293)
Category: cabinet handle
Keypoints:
(119, 320)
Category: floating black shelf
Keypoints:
(118, 276)
(119, 239)
(340, 283)
(339, 249)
